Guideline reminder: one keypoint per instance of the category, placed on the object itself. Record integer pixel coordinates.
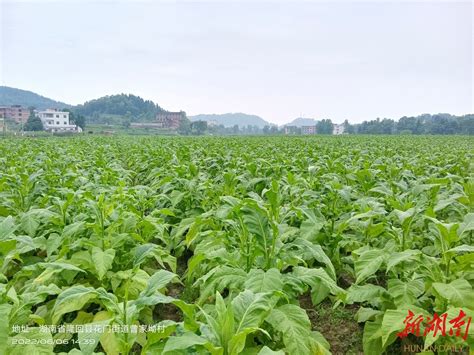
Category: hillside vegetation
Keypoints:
(13, 96)
(131, 107)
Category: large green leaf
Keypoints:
(168, 328)
(159, 280)
(220, 278)
(368, 263)
(7, 246)
(102, 260)
(405, 293)
(29, 223)
(183, 342)
(365, 314)
(372, 338)
(319, 291)
(311, 226)
(250, 309)
(53, 243)
(447, 231)
(267, 351)
(459, 293)
(60, 266)
(237, 341)
(257, 222)
(88, 340)
(365, 293)
(129, 281)
(31, 220)
(109, 340)
(312, 276)
(310, 251)
(72, 299)
(73, 230)
(148, 251)
(7, 227)
(264, 281)
(462, 249)
(151, 296)
(393, 322)
(38, 293)
(399, 257)
(467, 224)
(404, 216)
(53, 268)
(5, 310)
(295, 327)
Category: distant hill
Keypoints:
(107, 109)
(232, 119)
(300, 121)
(13, 96)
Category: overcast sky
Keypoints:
(277, 59)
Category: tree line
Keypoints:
(423, 124)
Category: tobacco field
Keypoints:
(232, 245)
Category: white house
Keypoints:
(308, 129)
(338, 128)
(57, 121)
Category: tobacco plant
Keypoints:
(216, 241)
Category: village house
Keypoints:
(308, 129)
(17, 113)
(57, 121)
(338, 129)
(170, 120)
(212, 123)
(291, 130)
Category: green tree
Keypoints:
(324, 126)
(79, 120)
(466, 124)
(199, 127)
(75, 118)
(348, 128)
(184, 126)
(33, 123)
(387, 126)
